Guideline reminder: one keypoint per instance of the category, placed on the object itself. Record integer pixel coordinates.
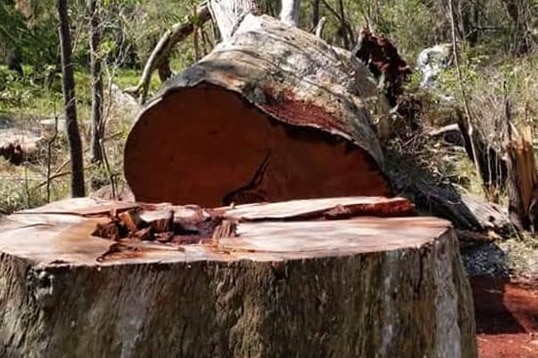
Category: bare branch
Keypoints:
(320, 26)
(162, 50)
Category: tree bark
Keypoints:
(266, 116)
(97, 128)
(352, 286)
(73, 134)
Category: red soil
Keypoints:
(506, 318)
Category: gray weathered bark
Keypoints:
(228, 14)
(358, 287)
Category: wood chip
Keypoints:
(131, 219)
(159, 220)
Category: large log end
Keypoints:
(272, 114)
(312, 278)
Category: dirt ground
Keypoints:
(506, 317)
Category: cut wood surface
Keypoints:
(272, 114)
(356, 287)
(352, 206)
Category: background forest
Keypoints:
(497, 40)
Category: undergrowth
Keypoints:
(35, 107)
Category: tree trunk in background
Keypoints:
(97, 83)
(344, 27)
(73, 134)
(315, 12)
(521, 38)
(290, 12)
(159, 58)
(229, 13)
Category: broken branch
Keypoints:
(161, 52)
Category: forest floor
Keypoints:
(504, 280)
(506, 312)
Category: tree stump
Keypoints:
(272, 114)
(334, 277)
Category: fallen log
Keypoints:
(272, 114)
(465, 212)
(284, 281)
(18, 146)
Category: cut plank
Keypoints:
(374, 206)
(278, 289)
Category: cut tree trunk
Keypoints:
(272, 114)
(307, 278)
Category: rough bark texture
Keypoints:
(358, 287)
(274, 113)
(384, 62)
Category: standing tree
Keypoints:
(73, 134)
(290, 11)
(97, 83)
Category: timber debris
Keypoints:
(169, 227)
(166, 223)
(381, 57)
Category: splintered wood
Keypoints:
(166, 223)
(192, 224)
(523, 180)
